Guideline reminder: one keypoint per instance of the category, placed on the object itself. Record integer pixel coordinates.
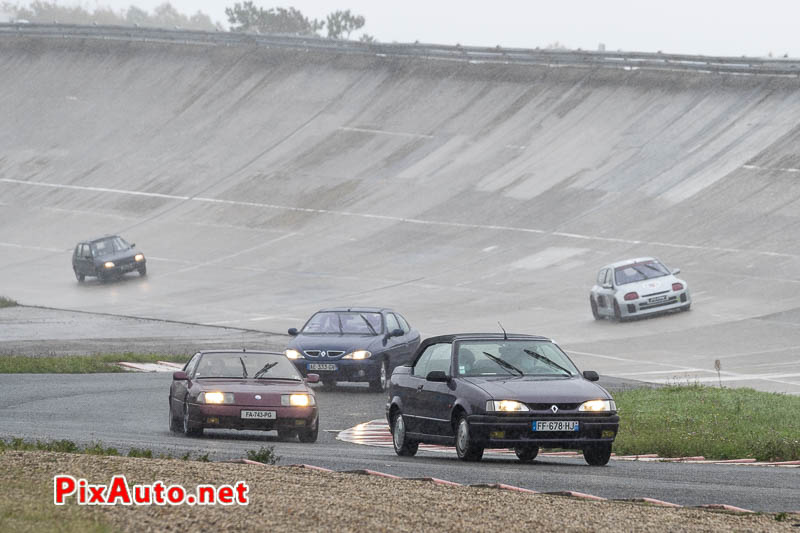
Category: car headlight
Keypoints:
(109, 264)
(506, 406)
(598, 406)
(298, 400)
(215, 397)
(138, 257)
(292, 354)
(358, 354)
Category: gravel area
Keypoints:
(294, 499)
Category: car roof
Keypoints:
(484, 336)
(625, 262)
(96, 239)
(238, 350)
(355, 309)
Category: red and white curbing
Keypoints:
(376, 433)
(158, 366)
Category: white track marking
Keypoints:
(384, 132)
(400, 219)
(776, 169)
(37, 248)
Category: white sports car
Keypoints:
(638, 287)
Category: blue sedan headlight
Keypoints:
(506, 406)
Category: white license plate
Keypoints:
(321, 366)
(555, 425)
(258, 415)
(657, 299)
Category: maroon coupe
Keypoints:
(238, 389)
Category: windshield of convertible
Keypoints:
(109, 246)
(344, 323)
(512, 358)
(639, 272)
(246, 365)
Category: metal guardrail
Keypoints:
(516, 56)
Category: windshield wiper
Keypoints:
(244, 368)
(264, 370)
(341, 331)
(368, 324)
(546, 361)
(505, 364)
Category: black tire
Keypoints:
(328, 384)
(466, 447)
(382, 382)
(617, 312)
(308, 436)
(186, 427)
(593, 305)
(286, 434)
(143, 270)
(403, 446)
(174, 426)
(686, 307)
(598, 454)
(526, 453)
(80, 277)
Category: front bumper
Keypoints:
(650, 305)
(509, 431)
(345, 369)
(124, 268)
(229, 417)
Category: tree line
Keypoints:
(242, 17)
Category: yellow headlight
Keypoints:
(506, 406)
(216, 397)
(596, 406)
(292, 354)
(297, 400)
(109, 264)
(358, 354)
(139, 257)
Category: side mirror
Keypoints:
(312, 378)
(606, 285)
(396, 333)
(180, 375)
(133, 245)
(437, 375)
(676, 270)
(591, 375)
(293, 332)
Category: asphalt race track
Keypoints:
(263, 183)
(129, 410)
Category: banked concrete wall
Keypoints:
(264, 183)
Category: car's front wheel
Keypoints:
(466, 447)
(328, 384)
(285, 434)
(309, 435)
(593, 305)
(80, 277)
(526, 454)
(402, 445)
(174, 425)
(617, 312)
(143, 270)
(188, 429)
(597, 455)
(381, 383)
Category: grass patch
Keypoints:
(7, 302)
(79, 364)
(717, 423)
(264, 455)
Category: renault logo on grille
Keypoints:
(554, 409)
(322, 354)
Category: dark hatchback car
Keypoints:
(520, 392)
(240, 389)
(107, 257)
(353, 344)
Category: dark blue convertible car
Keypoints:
(353, 344)
(520, 392)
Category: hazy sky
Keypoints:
(711, 27)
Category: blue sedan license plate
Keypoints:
(322, 366)
(555, 425)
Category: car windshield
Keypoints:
(246, 365)
(109, 246)
(513, 358)
(344, 323)
(639, 272)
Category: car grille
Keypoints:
(547, 406)
(328, 353)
